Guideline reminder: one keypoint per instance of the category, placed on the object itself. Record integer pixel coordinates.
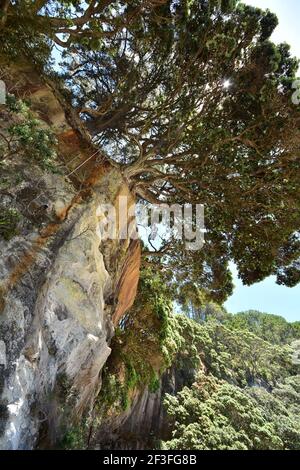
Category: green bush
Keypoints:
(9, 219)
(29, 137)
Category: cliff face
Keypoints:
(145, 422)
(60, 284)
(142, 424)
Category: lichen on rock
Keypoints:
(57, 286)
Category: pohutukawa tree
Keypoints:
(193, 103)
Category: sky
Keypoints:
(288, 13)
(267, 296)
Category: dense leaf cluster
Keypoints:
(192, 101)
(247, 397)
(241, 390)
(22, 134)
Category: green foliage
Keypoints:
(147, 79)
(75, 438)
(28, 137)
(249, 396)
(272, 328)
(148, 82)
(282, 409)
(212, 415)
(296, 329)
(147, 345)
(153, 339)
(157, 104)
(154, 383)
(242, 391)
(143, 347)
(113, 395)
(235, 355)
(9, 220)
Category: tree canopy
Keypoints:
(192, 101)
(213, 415)
(272, 328)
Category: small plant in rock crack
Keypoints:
(25, 135)
(9, 220)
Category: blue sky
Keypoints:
(288, 13)
(267, 296)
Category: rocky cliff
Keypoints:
(61, 285)
(145, 422)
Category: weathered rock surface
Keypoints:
(60, 284)
(145, 422)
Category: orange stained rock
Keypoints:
(51, 229)
(128, 282)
